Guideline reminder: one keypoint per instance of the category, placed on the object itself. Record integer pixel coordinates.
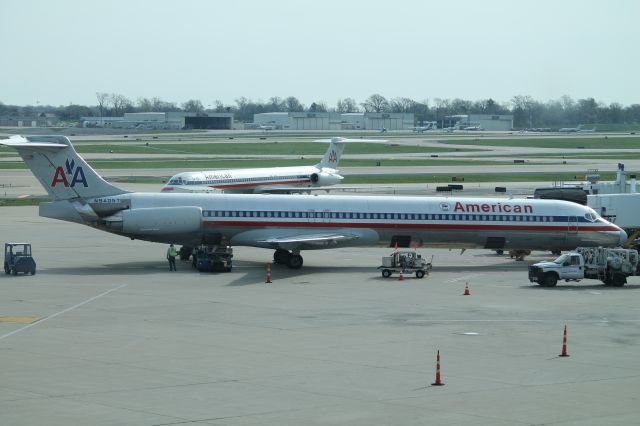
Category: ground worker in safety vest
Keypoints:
(171, 257)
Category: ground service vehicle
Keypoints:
(216, 260)
(17, 258)
(405, 262)
(612, 266)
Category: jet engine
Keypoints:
(325, 178)
(157, 221)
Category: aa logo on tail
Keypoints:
(333, 156)
(76, 174)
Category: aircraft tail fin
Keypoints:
(59, 169)
(332, 156)
(336, 146)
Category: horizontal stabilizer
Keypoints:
(346, 140)
(32, 142)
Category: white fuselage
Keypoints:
(252, 180)
(255, 220)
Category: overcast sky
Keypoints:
(64, 51)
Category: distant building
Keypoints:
(333, 121)
(489, 122)
(315, 120)
(162, 120)
(277, 120)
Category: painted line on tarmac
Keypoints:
(63, 311)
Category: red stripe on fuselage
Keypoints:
(320, 224)
(243, 185)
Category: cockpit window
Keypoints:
(176, 181)
(591, 216)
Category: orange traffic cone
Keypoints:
(268, 281)
(466, 290)
(401, 277)
(564, 342)
(437, 382)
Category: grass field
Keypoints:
(190, 163)
(14, 202)
(597, 142)
(468, 178)
(270, 148)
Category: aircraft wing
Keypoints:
(294, 189)
(319, 238)
(298, 189)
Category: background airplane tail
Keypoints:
(59, 169)
(336, 146)
(332, 156)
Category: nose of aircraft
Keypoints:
(623, 236)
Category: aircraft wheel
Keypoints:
(185, 252)
(281, 257)
(499, 252)
(386, 273)
(419, 274)
(550, 279)
(295, 261)
(618, 280)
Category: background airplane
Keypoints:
(290, 224)
(268, 179)
(578, 129)
(429, 125)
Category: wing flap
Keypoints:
(310, 238)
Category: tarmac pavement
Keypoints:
(120, 340)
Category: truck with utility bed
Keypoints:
(612, 266)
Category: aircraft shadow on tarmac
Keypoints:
(129, 268)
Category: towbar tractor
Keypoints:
(17, 258)
(405, 262)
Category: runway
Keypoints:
(121, 340)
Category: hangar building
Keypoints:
(334, 120)
(484, 121)
(163, 120)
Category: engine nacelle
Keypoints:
(324, 178)
(161, 220)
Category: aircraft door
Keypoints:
(311, 215)
(572, 268)
(573, 225)
(326, 216)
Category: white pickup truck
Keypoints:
(612, 266)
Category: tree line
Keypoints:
(527, 112)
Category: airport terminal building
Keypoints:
(333, 121)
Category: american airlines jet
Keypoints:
(266, 180)
(289, 224)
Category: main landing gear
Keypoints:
(290, 258)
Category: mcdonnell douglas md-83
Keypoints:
(268, 179)
(289, 224)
